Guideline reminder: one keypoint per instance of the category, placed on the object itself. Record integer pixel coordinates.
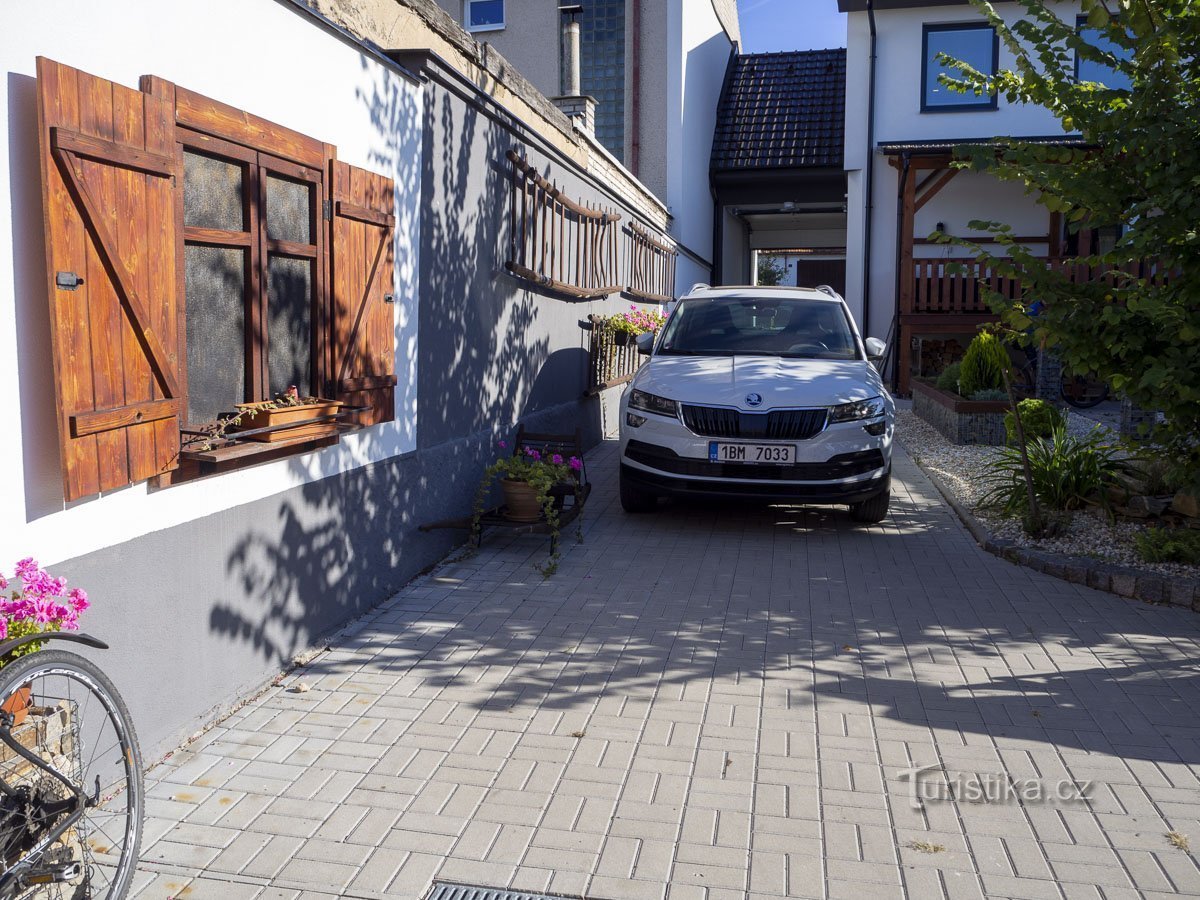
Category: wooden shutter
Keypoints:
(108, 169)
(363, 326)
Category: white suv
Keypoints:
(759, 392)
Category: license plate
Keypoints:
(771, 454)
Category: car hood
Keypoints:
(728, 380)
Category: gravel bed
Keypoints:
(961, 470)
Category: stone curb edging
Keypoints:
(1124, 581)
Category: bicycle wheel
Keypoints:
(1083, 391)
(71, 803)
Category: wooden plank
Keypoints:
(164, 278)
(132, 239)
(213, 117)
(70, 337)
(145, 412)
(113, 152)
(216, 237)
(291, 248)
(364, 214)
(104, 310)
(251, 449)
(935, 187)
(367, 383)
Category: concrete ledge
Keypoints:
(1124, 581)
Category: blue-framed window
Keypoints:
(972, 43)
(485, 15)
(1091, 70)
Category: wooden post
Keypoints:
(908, 212)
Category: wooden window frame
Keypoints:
(217, 129)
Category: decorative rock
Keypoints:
(1124, 583)
(1149, 589)
(1186, 505)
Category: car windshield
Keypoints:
(789, 327)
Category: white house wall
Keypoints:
(899, 118)
(257, 55)
(698, 50)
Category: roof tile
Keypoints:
(782, 110)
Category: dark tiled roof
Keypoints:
(782, 110)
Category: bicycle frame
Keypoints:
(11, 881)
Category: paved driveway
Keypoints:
(713, 702)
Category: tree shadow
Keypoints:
(908, 621)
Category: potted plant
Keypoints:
(534, 483)
(34, 602)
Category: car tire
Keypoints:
(873, 510)
(634, 499)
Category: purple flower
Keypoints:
(576, 463)
(27, 568)
(503, 445)
(536, 455)
(79, 599)
(557, 459)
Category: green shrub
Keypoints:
(1067, 471)
(948, 380)
(1038, 417)
(989, 394)
(1178, 545)
(983, 365)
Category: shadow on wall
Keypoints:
(350, 540)
(35, 368)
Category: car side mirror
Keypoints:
(645, 343)
(876, 349)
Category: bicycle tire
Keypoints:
(30, 671)
(1074, 400)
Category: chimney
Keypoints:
(580, 109)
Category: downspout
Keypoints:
(869, 171)
(906, 159)
(635, 91)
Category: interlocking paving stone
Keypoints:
(716, 701)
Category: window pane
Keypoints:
(289, 210)
(482, 13)
(1089, 70)
(215, 281)
(212, 193)
(289, 324)
(975, 46)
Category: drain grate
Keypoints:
(445, 891)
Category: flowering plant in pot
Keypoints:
(628, 325)
(34, 602)
(528, 480)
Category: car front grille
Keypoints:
(778, 425)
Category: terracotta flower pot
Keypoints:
(520, 501)
(17, 704)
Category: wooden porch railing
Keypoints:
(937, 290)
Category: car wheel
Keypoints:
(634, 499)
(872, 510)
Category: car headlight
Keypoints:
(858, 410)
(660, 406)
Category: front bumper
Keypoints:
(671, 486)
(843, 464)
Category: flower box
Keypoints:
(958, 420)
(279, 417)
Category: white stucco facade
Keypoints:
(698, 56)
(258, 55)
(898, 117)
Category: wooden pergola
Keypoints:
(929, 298)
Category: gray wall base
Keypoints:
(205, 613)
